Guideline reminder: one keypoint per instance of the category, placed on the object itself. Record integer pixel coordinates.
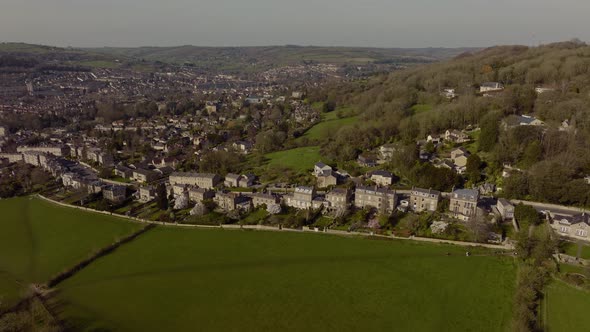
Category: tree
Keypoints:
(526, 215)
(329, 106)
(162, 197)
(516, 186)
(532, 154)
(489, 132)
(473, 168)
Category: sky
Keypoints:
(367, 23)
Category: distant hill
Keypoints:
(235, 59)
(41, 55)
(269, 56)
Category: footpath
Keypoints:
(505, 246)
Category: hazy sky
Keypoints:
(380, 23)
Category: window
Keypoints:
(564, 229)
(581, 232)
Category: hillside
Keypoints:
(262, 58)
(550, 84)
(35, 57)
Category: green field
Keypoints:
(299, 159)
(39, 239)
(219, 280)
(330, 124)
(566, 308)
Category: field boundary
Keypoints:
(60, 277)
(282, 229)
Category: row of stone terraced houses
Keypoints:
(198, 186)
(71, 174)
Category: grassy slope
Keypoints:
(299, 159)
(567, 308)
(179, 280)
(330, 123)
(39, 239)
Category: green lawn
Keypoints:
(255, 217)
(566, 308)
(571, 249)
(218, 280)
(39, 239)
(299, 159)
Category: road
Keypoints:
(553, 208)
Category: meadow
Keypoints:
(298, 159)
(331, 123)
(190, 279)
(39, 239)
(566, 308)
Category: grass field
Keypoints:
(567, 308)
(220, 280)
(39, 239)
(330, 124)
(299, 159)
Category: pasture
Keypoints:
(223, 280)
(39, 239)
(298, 159)
(330, 124)
(566, 308)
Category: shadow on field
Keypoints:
(57, 306)
(269, 263)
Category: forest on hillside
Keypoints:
(550, 162)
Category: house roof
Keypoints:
(232, 176)
(381, 172)
(466, 194)
(495, 85)
(573, 220)
(504, 202)
(303, 189)
(320, 165)
(338, 191)
(375, 190)
(425, 191)
(197, 175)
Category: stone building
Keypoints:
(259, 199)
(505, 208)
(147, 194)
(200, 194)
(231, 201)
(114, 193)
(338, 199)
(381, 178)
(302, 198)
(463, 203)
(144, 175)
(201, 180)
(60, 151)
(381, 198)
(424, 199)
